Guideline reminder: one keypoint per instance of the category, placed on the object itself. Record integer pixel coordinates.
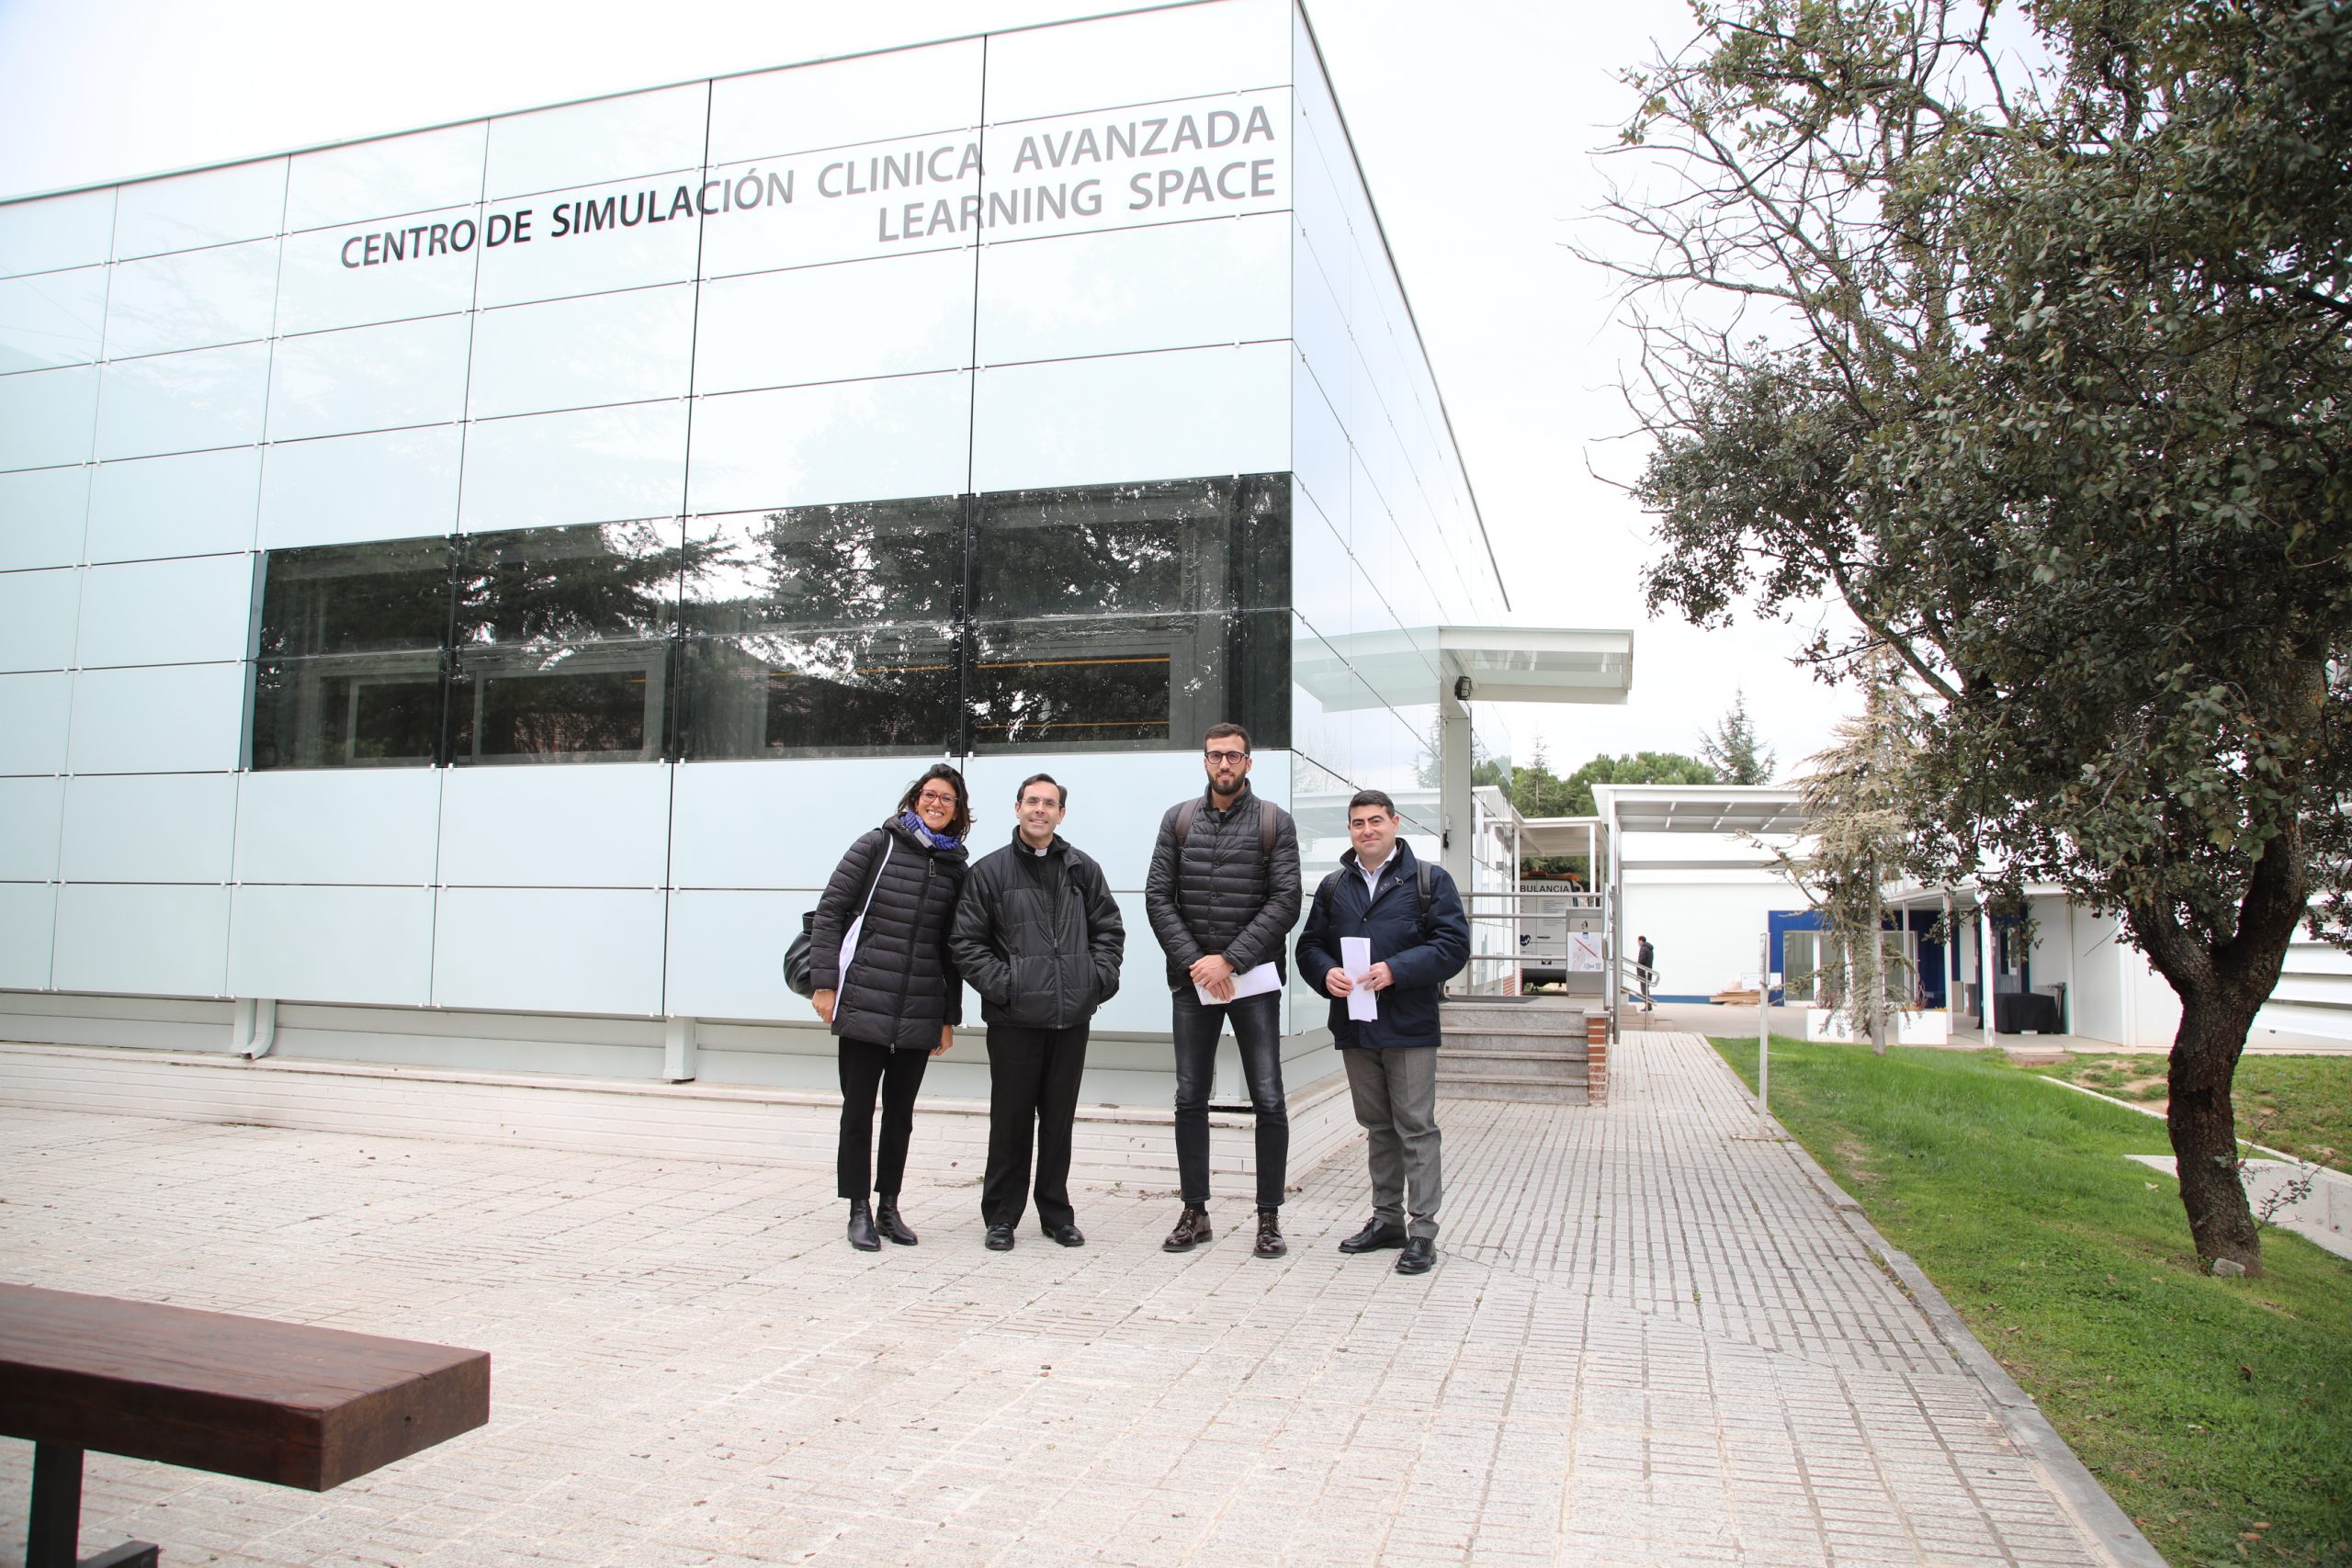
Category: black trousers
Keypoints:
(1257, 1030)
(1033, 1087)
(898, 1074)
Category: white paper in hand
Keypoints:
(1355, 957)
(1248, 983)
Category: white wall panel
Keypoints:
(32, 808)
(183, 403)
(1142, 1004)
(339, 824)
(37, 616)
(192, 300)
(845, 441)
(56, 232)
(727, 954)
(385, 176)
(168, 718)
(591, 825)
(655, 248)
(325, 281)
(888, 317)
(33, 714)
(642, 133)
(1115, 801)
(590, 465)
(573, 353)
(28, 929)
(128, 939)
(368, 379)
(1138, 58)
(195, 611)
(371, 945)
(548, 951)
(1171, 285)
(52, 318)
(42, 513)
(148, 828)
(216, 206)
(195, 504)
(1145, 416)
(47, 417)
(399, 484)
(906, 92)
(745, 824)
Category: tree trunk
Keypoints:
(2202, 1125)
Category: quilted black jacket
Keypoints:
(1039, 936)
(902, 983)
(1226, 896)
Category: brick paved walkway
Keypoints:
(1650, 1339)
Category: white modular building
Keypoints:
(460, 592)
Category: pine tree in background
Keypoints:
(1733, 750)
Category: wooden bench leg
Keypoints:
(53, 1534)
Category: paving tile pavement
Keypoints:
(1650, 1339)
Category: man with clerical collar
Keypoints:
(1222, 893)
(1039, 935)
(1407, 918)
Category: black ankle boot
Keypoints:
(861, 1227)
(893, 1228)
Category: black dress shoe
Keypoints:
(1420, 1253)
(1068, 1236)
(893, 1228)
(861, 1227)
(999, 1238)
(1191, 1229)
(1269, 1242)
(1374, 1236)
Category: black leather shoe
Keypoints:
(861, 1227)
(1420, 1253)
(1191, 1229)
(1373, 1236)
(1269, 1242)
(999, 1238)
(886, 1221)
(1068, 1236)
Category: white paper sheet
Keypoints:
(1355, 957)
(1249, 983)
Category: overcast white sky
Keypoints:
(1474, 122)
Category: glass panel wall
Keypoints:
(1105, 617)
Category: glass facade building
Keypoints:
(1034, 399)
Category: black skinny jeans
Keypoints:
(1257, 1029)
(899, 1074)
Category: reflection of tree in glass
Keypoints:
(356, 598)
(1115, 548)
(554, 585)
(851, 564)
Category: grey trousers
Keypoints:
(1396, 1099)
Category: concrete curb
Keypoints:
(2100, 1519)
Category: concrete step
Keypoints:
(1511, 1089)
(1529, 1023)
(1531, 1066)
(1532, 1045)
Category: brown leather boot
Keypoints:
(1270, 1235)
(1191, 1229)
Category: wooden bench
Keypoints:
(279, 1402)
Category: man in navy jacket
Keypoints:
(1419, 939)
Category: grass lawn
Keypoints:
(2217, 1412)
(2300, 1105)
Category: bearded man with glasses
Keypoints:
(1222, 896)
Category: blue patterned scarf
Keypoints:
(922, 830)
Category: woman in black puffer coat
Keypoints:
(896, 1000)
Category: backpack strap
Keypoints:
(1185, 815)
(1422, 883)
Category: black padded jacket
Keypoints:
(1039, 936)
(1226, 895)
(902, 983)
